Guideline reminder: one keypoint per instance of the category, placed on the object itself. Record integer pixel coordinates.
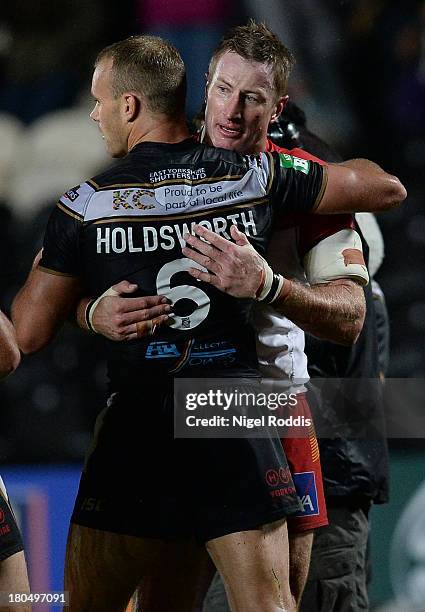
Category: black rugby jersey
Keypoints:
(129, 222)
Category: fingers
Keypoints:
(203, 247)
(204, 260)
(206, 277)
(238, 236)
(119, 321)
(124, 287)
(127, 305)
(146, 314)
(149, 301)
(218, 241)
(116, 317)
(218, 252)
(144, 328)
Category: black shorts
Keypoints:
(138, 480)
(10, 538)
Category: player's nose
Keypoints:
(94, 114)
(234, 107)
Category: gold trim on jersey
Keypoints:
(69, 212)
(322, 189)
(55, 272)
(93, 184)
(183, 357)
(177, 217)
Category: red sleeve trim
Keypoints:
(271, 146)
(314, 228)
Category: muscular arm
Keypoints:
(333, 311)
(9, 352)
(41, 307)
(359, 185)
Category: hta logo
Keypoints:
(272, 478)
(161, 350)
(275, 477)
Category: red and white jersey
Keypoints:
(312, 249)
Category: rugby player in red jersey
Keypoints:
(121, 532)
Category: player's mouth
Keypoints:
(229, 132)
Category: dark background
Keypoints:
(360, 77)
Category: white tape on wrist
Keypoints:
(267, 282)
(272, 285)
(91, 307)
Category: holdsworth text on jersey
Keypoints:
(150, 238)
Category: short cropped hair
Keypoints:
(151, 67)
(255, 42)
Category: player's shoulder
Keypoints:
(295, 153)
(120, 171)
(151, 162)
(75, 201)
(224, 157)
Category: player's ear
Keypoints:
(132, 105)
(280, 105)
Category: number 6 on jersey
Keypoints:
(187, 292)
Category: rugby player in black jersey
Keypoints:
(141, 489)
(13, 569)
(238, 114)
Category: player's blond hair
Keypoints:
(255, 42)
(151, 67)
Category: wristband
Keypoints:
(270, 286)
(91, 307)
(87, 317)
(275, 289)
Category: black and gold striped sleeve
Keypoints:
(61, 248)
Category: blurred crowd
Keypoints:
(359, 77)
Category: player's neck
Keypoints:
(259, 148)
(163, 129)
